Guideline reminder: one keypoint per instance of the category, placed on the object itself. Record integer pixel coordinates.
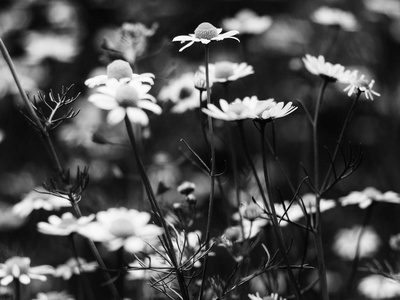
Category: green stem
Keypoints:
(212, 171)
(156, 210)
(17, 284)
(274, 217)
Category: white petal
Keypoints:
(103, 101)
(136, 115)
(116, 115)
(24, 279)
(149, 106)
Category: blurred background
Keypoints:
(62, 43)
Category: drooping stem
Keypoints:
(274, 217)
(156, 210)
(350, 112)
(212, 170)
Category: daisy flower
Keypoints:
(39, 198)
(125, 98)
(248, 108)
(63, 226)
(378, 287)
(328, 71)
(20, 268)
(247, 22)
(335, 17)
(278, 110)
(369, 195)
(226, 71)
(72, 267)
(182, 92)
(345, 244)
(121, 71)
(122, 227)
(54, 296)
(205, 33)
(360, 84)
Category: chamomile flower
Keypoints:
(71, 267)
(248, 108)
(368, 196)
(205, 33)
(130, 98)
(122, 227)
(247, 22)
(226, 71)
(279, 110)
(328, 71)
(121, 71)
(360, 84)
(378, 287)
(63, 226)
(20, 268)
(329, 16)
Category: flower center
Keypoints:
(223, 69)
(122, 228)
(119, 69)
(17, 262)
(185, 93)
(206, 31)
(127, 96)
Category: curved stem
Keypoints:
(156, 210)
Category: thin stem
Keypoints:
(315, 133)
(212, 170)
(277, 228)
(335, 153)
(156, 209)
(17, 284)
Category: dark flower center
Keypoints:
(206, 31)
(127, 96)
(119, 69)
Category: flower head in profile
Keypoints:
(73, 266)
(205, 33)
(335, 17)
(122, 227)
(226, 71)
(273, 296)
(130, 98)
(247, 21)
(121, 71)
(39, 198)
(278, 110)
(359, 84)
(248, 108)
(346, 240)
(20, 268)
(64, 226)
(328, 71)
(378, 287)
(368, 196)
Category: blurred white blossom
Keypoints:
(247, 21)
(378, 287)
(66, 225)
(71, 267)
(369, 195)
(325, 15)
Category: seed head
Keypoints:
(206, 31)
(119, 69)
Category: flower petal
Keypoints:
(116, 115)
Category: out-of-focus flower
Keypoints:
(63, 295)
(72, 267)
(234, 234)
(62, 14)
(273, 296)
(122, 227)
(390, 8)
(369, 195)
(186, 188)
(121, 71)
(125, 98)
(358, 84)
(39, 46)
(247, 21)
(182, 92)
(147, 268)
(335, 17)
(205, 33)
(295, 211)
(326, 70)
(279, 110)
(378, 287)
(20, 268)
(226, 71)
(9, 220)
(39, 199)
(394, 242)
(248, 108)
(63, 226)
(345, 244)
